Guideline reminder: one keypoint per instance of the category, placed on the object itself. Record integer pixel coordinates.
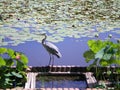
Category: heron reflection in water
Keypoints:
(51, 49)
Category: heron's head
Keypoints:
(42, 34)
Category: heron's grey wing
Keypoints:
(52, 48)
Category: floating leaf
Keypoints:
(68, 18)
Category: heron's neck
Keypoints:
(43, 41)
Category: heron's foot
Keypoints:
(48, 65)
(50, 68)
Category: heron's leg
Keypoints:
(50, 60)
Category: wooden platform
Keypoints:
(62, 70)
(31, 81)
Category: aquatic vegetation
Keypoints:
(12, 77)
(104, 54)
(20, 20)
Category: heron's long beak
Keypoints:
(41, 34)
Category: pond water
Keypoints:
(61, 82)
(68, 23)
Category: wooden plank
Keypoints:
(71, 89)
(42, 89)
(48, 89)
(76, 88)
(54, 88)
(31, 81)
(65, 88)
(27, 84)
(91, 81)
(60, 89)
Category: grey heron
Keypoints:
(51, 49)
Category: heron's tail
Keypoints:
(59, 55)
